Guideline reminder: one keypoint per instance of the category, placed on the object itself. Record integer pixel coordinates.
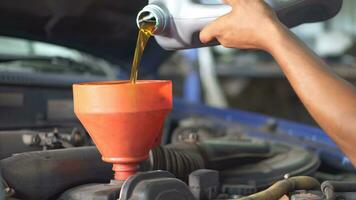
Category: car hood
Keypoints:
(104, 28)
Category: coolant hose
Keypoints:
(330, 187)
(283, 187)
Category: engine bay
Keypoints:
(205, 154)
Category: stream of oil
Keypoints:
(144, 35)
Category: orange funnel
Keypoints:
(124, 120)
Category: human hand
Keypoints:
(251, 24)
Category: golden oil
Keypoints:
(144, 35)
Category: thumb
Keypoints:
(210, 32)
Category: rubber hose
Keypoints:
(43, 174)
(283, 187)
(178, 162)
(330, 187)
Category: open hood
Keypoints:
(105, 28)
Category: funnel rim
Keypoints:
(122, 82)
(166, 109)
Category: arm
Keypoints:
(330, 100)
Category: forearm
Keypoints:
(329, 99)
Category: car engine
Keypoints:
(202, 157)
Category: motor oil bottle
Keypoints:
(179, 22)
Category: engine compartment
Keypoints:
(206, 153)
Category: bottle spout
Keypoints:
(152, 14)
(146, 17)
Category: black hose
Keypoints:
(43, 174)
(330, 187)
(179, 162)
(283, 187)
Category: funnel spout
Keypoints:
(124, 171)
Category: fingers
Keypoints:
(209, 33)
(212, 31)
